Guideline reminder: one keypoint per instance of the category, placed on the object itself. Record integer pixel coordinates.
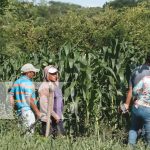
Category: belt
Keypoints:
(142, 103)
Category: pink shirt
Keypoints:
(44, 94)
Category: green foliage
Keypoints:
(3, 5)
(94, 84)
(102, 140)
(27, 27)
(123, 3)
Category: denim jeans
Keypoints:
(140, 117)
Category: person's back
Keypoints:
(142, 90)
(22, 90)
(137, 74)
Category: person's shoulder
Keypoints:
(140, 68)
(17, 80)
(43, 86)
(24, 83)
(136, 69)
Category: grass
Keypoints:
(14, 141)
(11, 139)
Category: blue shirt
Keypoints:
(23, 91)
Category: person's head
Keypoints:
(50, 73)
(29, 70)
(53, 74)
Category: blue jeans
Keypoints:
(140, 117)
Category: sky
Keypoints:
(84, 3)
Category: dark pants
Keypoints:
(56, 128)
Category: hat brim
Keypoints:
(34, 70)
(52, 72)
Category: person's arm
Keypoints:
(55, 116)
(133, 91)
(30, 97)
(34, 107)
(129, 93)
(11, 98)
(129, 97)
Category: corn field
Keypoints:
(94, 84)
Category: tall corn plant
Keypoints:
(113, 66)
(94, 83)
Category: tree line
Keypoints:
(26, 27)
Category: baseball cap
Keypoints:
(52, 69)
(29, 67)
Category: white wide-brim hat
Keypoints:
(28, 68)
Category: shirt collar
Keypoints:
(25, 77)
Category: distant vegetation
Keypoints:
(28, 28)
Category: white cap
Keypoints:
(52, 70)
(29, 67)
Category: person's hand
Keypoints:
(123, 108)
(57, 118)
(126, 106)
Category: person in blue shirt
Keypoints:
(22, 96)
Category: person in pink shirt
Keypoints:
(51, 83)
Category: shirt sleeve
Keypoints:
(131, 80)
